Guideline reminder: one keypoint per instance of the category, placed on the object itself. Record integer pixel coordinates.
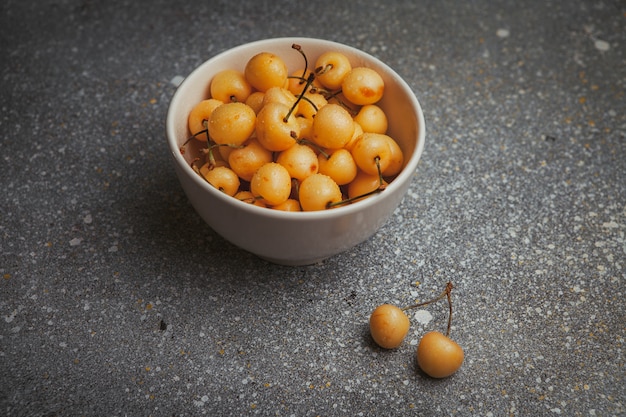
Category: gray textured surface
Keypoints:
(115, 299)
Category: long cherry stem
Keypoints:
(299, 49)
(295, 104)
(381, 187)
(444, 294)
(450, 305)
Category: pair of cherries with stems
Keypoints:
(437, 355)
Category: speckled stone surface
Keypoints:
(115, 298)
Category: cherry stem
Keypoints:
(299, 49)
(251, 200)
(444, 294)
(211, 156)
(309, 80)
(342, 103)
(380, 174)
(194, 166)
(323, 70)
(310, 102)
(381, 187)
(357, 197)
(194, 136)
(304, 141)
(450, 305)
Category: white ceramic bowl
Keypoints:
(295, 238)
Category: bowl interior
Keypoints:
(406, 124)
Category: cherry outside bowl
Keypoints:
(294, 238)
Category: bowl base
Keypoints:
(293, 262)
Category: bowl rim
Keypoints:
(407, 171)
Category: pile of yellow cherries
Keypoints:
(308, 140)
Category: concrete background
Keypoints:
(116, 300)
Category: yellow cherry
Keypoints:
(230, 85)
(372, 119)
(199, 117)
(339, 165)
(438, 355)
(331, 67)
(389, 326)
(232, 123)
(333, 127)
(272, 183)
(363, 86)
(246, 160)
(224, 179)
(300, 161)
(265, 70)
(372, 153)
(273, 131)
(318, 192)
